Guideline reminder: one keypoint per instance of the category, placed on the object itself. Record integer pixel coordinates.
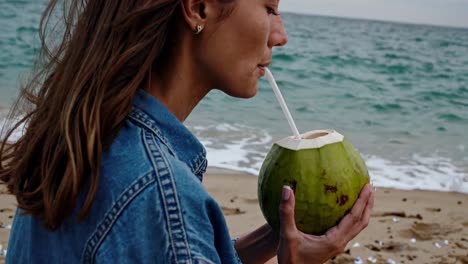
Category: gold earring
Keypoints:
(198, 29)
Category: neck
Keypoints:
(179, 86)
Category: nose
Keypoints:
(278, 35)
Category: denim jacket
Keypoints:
(150, 205)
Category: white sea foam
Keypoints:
(217, 158)
(241, 148)
(5, 126)
(425, 173)
(233, 146)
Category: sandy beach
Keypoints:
(406, 227)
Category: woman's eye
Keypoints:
(272, 11)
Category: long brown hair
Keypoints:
(79, 96)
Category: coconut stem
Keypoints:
(282, 103)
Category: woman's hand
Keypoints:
(297, 247)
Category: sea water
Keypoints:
(398, 92)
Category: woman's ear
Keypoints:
(197, 13)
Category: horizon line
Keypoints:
(379, 20)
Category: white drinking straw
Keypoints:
(282, 103)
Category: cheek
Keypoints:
(245, 35)
(231, 54)
(230, 62)
(255, 37)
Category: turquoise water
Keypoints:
(398, 92)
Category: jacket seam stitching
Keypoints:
(169, 192)
(111, 216)
(205, 260)
(143, 120)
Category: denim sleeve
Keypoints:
(234, 241)
(142, 234)
(195, 225)
(208, 234)
(202, 221)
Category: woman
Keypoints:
(107, 173)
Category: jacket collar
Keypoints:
(179, 140)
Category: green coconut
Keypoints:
(325, 172)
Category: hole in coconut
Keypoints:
(315, 135)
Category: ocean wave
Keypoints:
(247, 155)
(423, 173)
(450, 117)
(426, 173)
(387, 107)
(242, 148)
(393, 56)
(234, 146)
(284, 57)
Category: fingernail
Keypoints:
(286, 193)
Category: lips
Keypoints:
(262, 69)
(264, 65)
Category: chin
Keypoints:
(241, 88)
(245, 92)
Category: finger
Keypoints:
(370, 205)
(287, 222)
(351, 225)
(355, 215)
(365, 217)
(367, 212)
(361, 202)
